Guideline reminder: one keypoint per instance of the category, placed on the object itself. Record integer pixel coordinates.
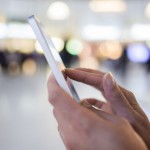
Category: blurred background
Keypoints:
(107, 35)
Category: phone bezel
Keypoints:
(48, 46)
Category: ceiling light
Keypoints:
(107, 6)
(147, 10)
(58, 11)
(3, 30)
(140, 32)
(95, 32)
(19, 30)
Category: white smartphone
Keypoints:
(53, 58)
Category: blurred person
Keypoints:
(119, 123)
(121, 64)
(3, 61)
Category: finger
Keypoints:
(63, 72)
(130, 98)
(114, 95)
(90, 71)
(132, 101)
(129, 95)
(85, 77)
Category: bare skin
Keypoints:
(120, 101)
(82, 129)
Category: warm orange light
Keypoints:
(110, 49)
(107, 6)
(29, 67)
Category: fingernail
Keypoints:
(85, 103)
(109, 79)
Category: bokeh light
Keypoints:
(59, 43)
(29, 67)
(74, 46)
(2, 17)
(89, 62)
(58, 11)
(100, 32)
(20, 45)
(147, 10)
(138, 53)
(86, 52)
(107, 6)
(110, 49)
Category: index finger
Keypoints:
(86, 77)
(129, 95)
(91, 71)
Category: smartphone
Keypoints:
(53, 58)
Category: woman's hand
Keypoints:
(120, 101)
(82, 129)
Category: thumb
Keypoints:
(114, 95)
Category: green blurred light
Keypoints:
(74, 47)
